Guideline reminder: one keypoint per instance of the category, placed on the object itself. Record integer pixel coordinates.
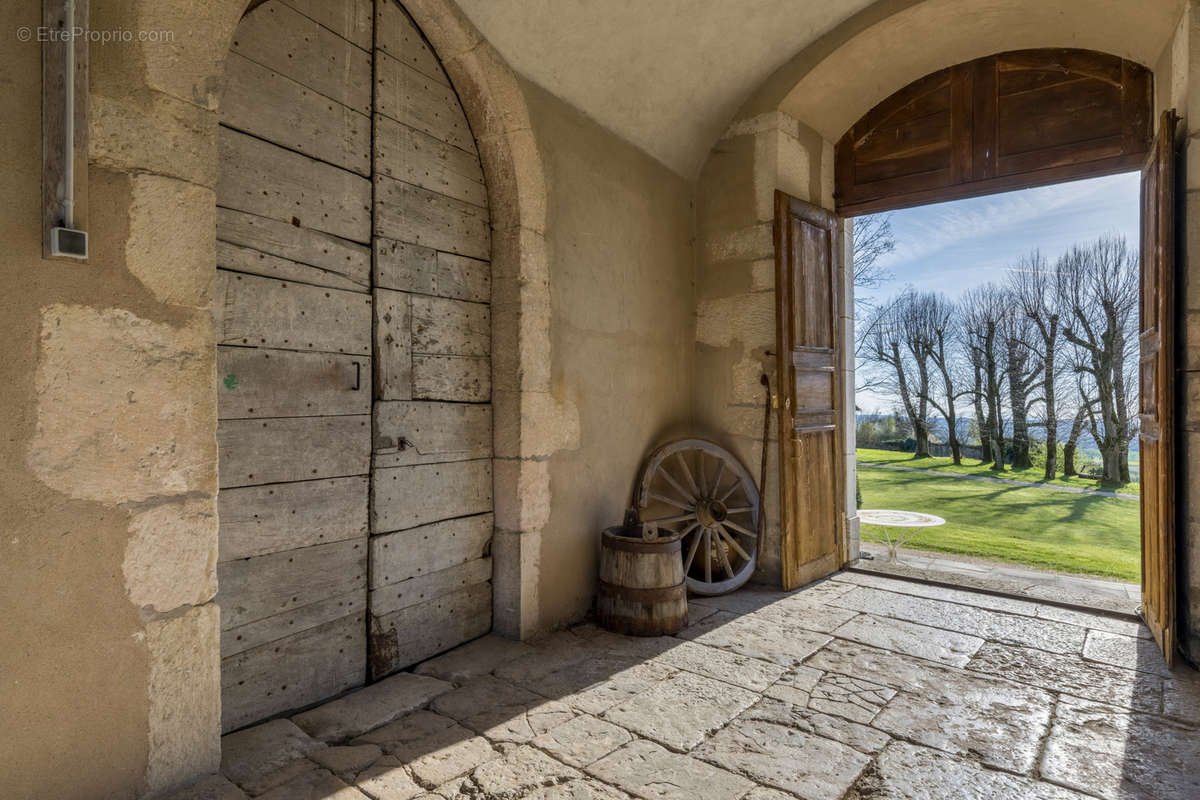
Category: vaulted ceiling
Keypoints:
(667, 75)
(670, 75)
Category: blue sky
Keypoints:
(951, 247)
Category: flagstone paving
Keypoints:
(860, 687)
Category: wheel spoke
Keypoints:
(724, 558)
(733, 542)
(691, 556)
(740, 529)
(664, 499)
(687, 473)
(736, 484)
(707, 556)
(688, 496)
(720, 474)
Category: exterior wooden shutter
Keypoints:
(1157, 387)
(808, 252)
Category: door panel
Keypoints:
(1156, 438)
(808, 252)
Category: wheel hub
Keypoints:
(711, 513)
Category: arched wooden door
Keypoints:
(354, 355)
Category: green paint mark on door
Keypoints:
(231, 381)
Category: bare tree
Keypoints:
(1022, 369)
(1097, 288)
(984, 309)
(897, 344)
(1032, 283)
(873, 239)
(942, 318)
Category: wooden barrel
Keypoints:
(641, 590)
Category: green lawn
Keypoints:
(1018, 525)
(971, 466)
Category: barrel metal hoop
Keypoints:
(643, 546)
(658, 594)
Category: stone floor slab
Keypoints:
(995, 721)
(1128, 652)
(1181, 696)
(907, 772)
(521, 773)
(348, 760)
(785, 758)
(448, 758)
(582, 740)
(991, 602)
(862, 738)
(212, 787)
(933, 644)
(795, 686)
(266, 755)
(370, 707)
(767, 639)
(1121, 755)
(990, 625)
(652, 772)
(682, 710)
(317, 784)
(1099, 622)
(409, 729)
(474, 659)
(1071, 675)
(597, 684)
(387, 779)
(855, 699)
(739, 670)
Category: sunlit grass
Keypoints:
(972, 466)
(1038, 527)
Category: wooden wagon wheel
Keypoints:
(695, 489)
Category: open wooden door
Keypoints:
(1157, 387)
(808, 252)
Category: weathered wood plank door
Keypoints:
(293, 314)
(808, 251)
(1157, 387)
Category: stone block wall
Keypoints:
(735, 293)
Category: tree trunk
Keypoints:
(1018, 402)
(1072, 440)
(984, 440)
(1051, 404)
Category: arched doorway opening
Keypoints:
(1012, 120)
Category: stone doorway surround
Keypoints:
(859, 686)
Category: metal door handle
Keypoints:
(357, 376)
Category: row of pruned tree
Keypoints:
(1048, 342)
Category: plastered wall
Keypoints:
(619, 241)
(108, 460)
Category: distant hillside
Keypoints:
(941, 432)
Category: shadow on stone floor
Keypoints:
(858, 686)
